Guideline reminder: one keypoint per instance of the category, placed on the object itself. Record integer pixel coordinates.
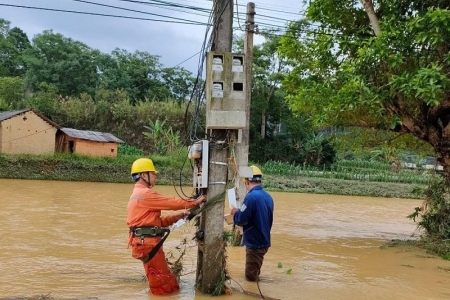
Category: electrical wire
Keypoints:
(267, 20)
(167, 4)
(270, 8)
(187, 22)
(132, 10)
(196, 92)
(187, 59)
(237, 15)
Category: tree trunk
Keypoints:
(443, 158)
(263, 126)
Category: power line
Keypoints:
(204, 12)
(187, 59)
(237, 14)
(166, 3)
(270, 9)
(188, 22)
(132, 10)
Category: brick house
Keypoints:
(27, 132)
(87, 142)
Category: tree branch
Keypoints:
(439, 110)
(368, 7)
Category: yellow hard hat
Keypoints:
(257, 174)
(256, 171)
(142, 165)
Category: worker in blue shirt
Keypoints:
(256, 218)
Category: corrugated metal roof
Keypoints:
(5, 115)
(91, 135)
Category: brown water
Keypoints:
(68, 240)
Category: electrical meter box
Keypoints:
(199, 154)
(225, 91)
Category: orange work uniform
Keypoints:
(144, 209)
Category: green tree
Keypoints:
(62, 62)
(11, 91)
(268, 107)
(383, 64)
(143, 77)
(13, 43)
(139, 74)
(276, 133)
(178, 81)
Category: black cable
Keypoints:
(102, 15)
(132, 10)
(167, 4)
(187, 59)
(189, 133)
(270, 9)
(200, 11)
(237, 14)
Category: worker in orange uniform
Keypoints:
(148, 229)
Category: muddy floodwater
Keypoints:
(68, 240)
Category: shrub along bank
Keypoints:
(173, 170)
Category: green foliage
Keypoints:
(360, 170)
(434, 216)
(164, 139)
(45, 101)
(178, 81)
(170, 167)
(280, 266)
(318, 151)
(13, 42)
(74, 68)
(11, 91)
(365, 143)
(4, 106)
(63, 166)
(290, 146)
(143, 77)
(140, 71)
(124, 149)
(233, 237)
(67, 64)
(344, 75)
(275, 132)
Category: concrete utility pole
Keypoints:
(210, 258)
(243, 146)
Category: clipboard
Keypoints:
(232, 198)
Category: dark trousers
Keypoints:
(253, 261)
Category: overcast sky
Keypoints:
(172, 41)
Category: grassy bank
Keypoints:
(82, 168)
(173, 169)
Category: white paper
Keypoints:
(177, 224)
(232, 198)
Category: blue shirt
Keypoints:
(256, 218)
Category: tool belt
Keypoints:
(148, 231)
